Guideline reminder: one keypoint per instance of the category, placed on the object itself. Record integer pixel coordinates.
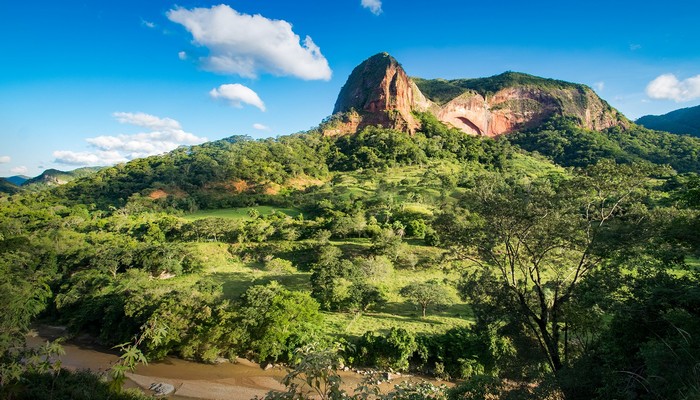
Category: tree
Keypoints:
(277, 320)
(534, 243)
(425, 294)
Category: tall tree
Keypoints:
(533, 244)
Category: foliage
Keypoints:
(390, 351)
(314, 373)
(70, 385)
(655, 327)
(376, 148)
(424, 294)
(567, 144)
(275, 321)
(466, 352)
(535, 243)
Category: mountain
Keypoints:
(18, 179)
(539, 121)
(683, 121)
(379, 92)
(54, 177)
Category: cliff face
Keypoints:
(379, 92)
(515, 108)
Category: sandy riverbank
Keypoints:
(227, 381)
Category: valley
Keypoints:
(513, 235)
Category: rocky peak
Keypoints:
(378, 92)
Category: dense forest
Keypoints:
(555, 262)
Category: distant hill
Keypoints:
(54, 177)
(18, 179)
(8, 187)
(683, 121)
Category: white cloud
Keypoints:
(88, 158)
(245, 44)
(668, 87)
(375, 6)
(237, 94)
(19, 170)
(599, 86)
(261, 127)
(147, 121)
(182, 55)
(5, 159)
(635, 46)
(148, 24)
(165, 134)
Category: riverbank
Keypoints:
(226, 381)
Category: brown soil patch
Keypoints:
(271, 189)
(239, 186)
(302, 182)
(158, 194)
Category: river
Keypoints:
(234, 381)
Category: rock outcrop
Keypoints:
(522, 107)
(379, 92)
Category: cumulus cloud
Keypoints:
(147, 121)
(80, 158)
(19, 170)
(5, 159)
(237, 95)
(163, 135)
(245, 44)
(148, 24)
(182, 55)
(668, 87)
(260, 127)
(375, 6)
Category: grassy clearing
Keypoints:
(534, 166)
(236, 277)
(240, 213)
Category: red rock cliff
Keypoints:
(378, 92)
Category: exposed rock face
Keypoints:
(379, 92)
(514, 108)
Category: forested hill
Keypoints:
(683, 121)
(239, 171)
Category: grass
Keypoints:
(236, 276)
(242, 213)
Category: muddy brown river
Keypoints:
(226, 381)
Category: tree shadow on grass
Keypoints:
(408, 310)
(298, 281)
(234, 284)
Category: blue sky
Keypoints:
(98, 82)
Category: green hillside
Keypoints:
(685, 121)
(515, 263)
(565, 143)
(54, 177)
(8, 187)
